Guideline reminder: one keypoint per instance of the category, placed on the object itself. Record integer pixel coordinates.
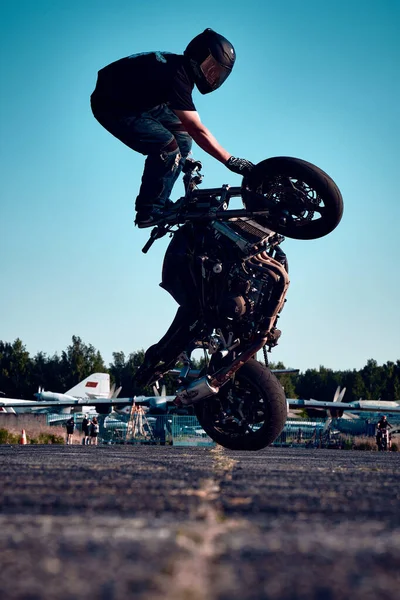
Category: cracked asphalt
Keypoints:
(118, 522)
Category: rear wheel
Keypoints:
(248, 413)
(304, 202)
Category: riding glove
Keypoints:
(241, 166)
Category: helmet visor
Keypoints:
(214, 73)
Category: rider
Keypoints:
(145, 100)
(382, 424)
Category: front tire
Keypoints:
(248, 413)
(306, 202)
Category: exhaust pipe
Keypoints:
(196, 391)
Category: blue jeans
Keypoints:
(157, 133)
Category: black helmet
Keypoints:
(211, 59)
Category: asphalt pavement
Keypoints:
(152, 522)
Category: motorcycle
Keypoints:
(226, 270)
(383, 439)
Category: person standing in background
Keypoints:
(70, 430)
(86, 430)
(94, 431)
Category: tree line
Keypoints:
(21, 375)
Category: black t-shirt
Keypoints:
(142, 81)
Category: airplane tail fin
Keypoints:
(114, 391)
(156, 390)
(338, 397)
(96, 385)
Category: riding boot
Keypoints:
(162, 356)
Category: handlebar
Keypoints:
(158, 232)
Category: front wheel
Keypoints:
(248, 413)
(303, 202)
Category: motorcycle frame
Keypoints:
(225, 193)
(210, 385)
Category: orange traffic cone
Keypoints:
(23, 438)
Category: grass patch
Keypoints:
(34, 435)
(7, 437)
(361, 442)
(47, 438)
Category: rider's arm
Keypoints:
(202, 136)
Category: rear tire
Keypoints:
(309, 204)
(259, 389)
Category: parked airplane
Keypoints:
(95, 390)
(93, 387)
(295, 412)
(97, 387)
(336, 408)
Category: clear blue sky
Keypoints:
(316, 80)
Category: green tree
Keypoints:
(15, 369)
(287, 380)
(390, 381)
(371, 377)
(354, 384)
(116, 368)
(20, 375)
(47, 373)
(123, 371)
(396, 382)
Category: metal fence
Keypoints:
(181, 430)
(299, 431)
(178, 430)
(187, 431)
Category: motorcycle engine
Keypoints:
(218, 271)
(232, 306)
(246, 294)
